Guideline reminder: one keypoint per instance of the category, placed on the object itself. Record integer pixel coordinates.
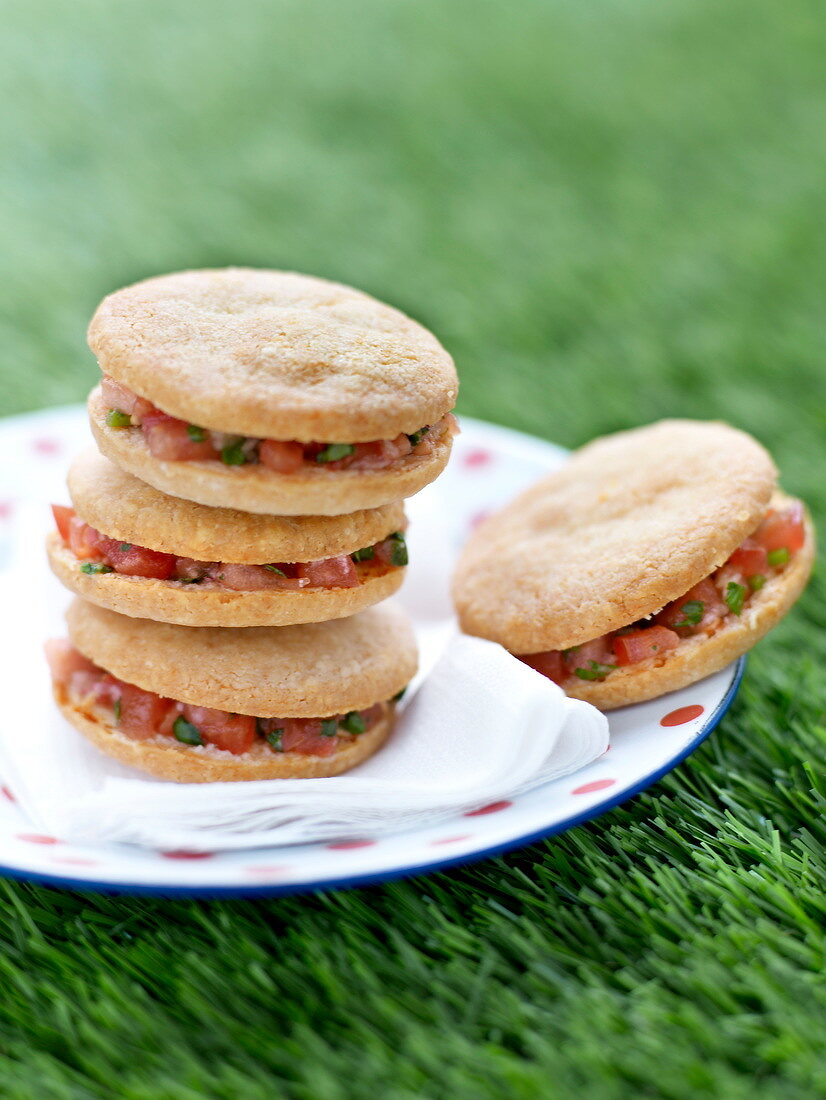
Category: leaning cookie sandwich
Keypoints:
(128, 547)
(653, 558)
(269, 392)
(199, 704)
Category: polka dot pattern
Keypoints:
(681, 715)
(486, 470)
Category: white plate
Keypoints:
(489, 465)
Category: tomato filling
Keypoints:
(701, 610)
(142, 714)
(175, 440)
(100, 554)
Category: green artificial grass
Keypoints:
(610, 212)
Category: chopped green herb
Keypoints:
(125, 546)
(418, 436)
(334, 452)
(196, 434)
(757, 582)
(329, 727)
(116, 418)
(95, 567)
(275, 569)
(692, 613)
(735, 597)
(353, 722)
(398, 555)
(186, 732)
(274, 739)
(399, 695)
(366, 554)
(232, 454)
(117, 712)
(595, 671)
(778, 557)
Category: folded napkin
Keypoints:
(478, 726)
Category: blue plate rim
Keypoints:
(207, 891)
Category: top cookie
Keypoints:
(273, 354)
(632, 521)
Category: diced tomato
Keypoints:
(62, 516)
(337, 572)
(581, 656)
(284, 458)
(549, 663)
(249, 578)
(303, 735)
(380, 454)
(372, 715)
(138, 561)
(107, 689)
(141, 712)
(230, 732)
(64, 659)
(638, 645)
(188, 569)
(713, 610)
(118, 396)
(749, 559)
(169, 439)
(84, 541)
(386, 550)
(783, 530)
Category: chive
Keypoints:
(366, 554)
(353, 722)
(233, 454)
(757, 582)
(334, 452)
(116, 418)
(398, 555)
(186, 732)
(418, 436)
(196, 434)
(95, 567)
(329, 727)
(595, 671)
(275, 739)
(125, 546)
(117, 712)
(692, 613)
(778, 557)
(735, 597)
(399, 695)
(275, 569)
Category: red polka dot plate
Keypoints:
(489, 465)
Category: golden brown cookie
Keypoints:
(310, 670)
(629, 523)
(273, 354)
(312, 490)
(630, 527)
(127, 510)
(310, 681)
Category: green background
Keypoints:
(609, 212)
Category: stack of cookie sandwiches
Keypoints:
(258, 432)
(653, 558)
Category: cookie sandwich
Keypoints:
(653, 558)
(128, 547)
(199, 704)
(269, 392)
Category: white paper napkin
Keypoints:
(479, 726)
